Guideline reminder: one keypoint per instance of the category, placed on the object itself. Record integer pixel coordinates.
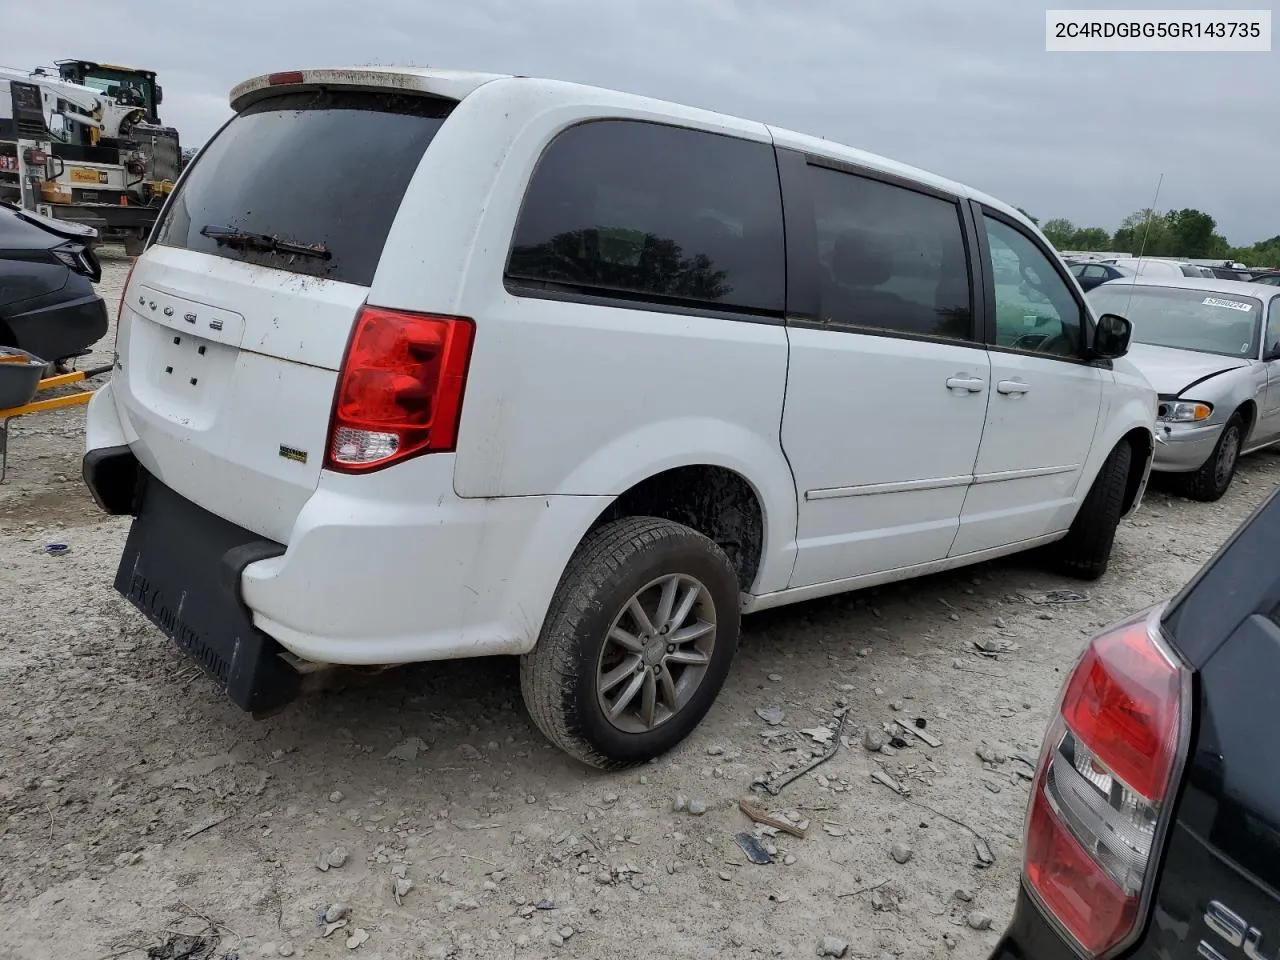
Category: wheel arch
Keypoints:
(1143, 443)
(1133, 422)
(717, 501)
(1249, 409)
(667, 468)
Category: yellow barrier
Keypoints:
(39, 406)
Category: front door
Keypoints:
(1045, 395)
(887, 381)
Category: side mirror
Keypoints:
(1111, 338)
(57, 125)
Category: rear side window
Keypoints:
(642, 211)
(315, 168)
(890, 258)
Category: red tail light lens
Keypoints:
(1103, 791)
(285, 78)
(400, 389)
(1086, 901)
(1123, 701)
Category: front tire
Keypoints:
(1085, 551)
(636, 645)
(1214, 477)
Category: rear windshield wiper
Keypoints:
(258, 241)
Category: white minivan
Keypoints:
(422, 364)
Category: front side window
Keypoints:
(1273, 329)
(1199, 320)
(1034, 308)
(642, 211)
(890, 258)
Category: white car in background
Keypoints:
(422, 365)
(1160, 267)
(1211, 348)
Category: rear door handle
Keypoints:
(1014, 387)
(972, 384)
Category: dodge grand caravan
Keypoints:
(422, 364)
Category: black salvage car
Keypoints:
(1090, 274)
(48, 305)
(1154, 825)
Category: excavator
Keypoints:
(84, 143)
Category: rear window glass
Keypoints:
(648, 212)
(314, 168)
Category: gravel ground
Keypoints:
(137, 805)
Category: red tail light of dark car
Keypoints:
(1104, 789)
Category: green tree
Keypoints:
(1191, 234)
(1264, 253)
(1091, 238)
(1060, 232)
(1144, 230)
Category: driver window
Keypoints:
(1034, 308)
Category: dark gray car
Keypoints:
(48, 305)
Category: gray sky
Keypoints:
(963, 89)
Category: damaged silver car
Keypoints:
(1211, 349)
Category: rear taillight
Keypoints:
(285, 78)
(79, 259)
(400, 389)
(1104, 789)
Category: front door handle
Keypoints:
(972, 384)
(1014, 387)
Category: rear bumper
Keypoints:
(1185, 447)
(373, 576)
(389, 567)
(61, 329)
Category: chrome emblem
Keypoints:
(1236, 931)
(215, 324)
(168, 311)
(189, 317)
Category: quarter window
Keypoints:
(1034, 307)
(647, 212)
(890, 258)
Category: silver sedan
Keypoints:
(1211, 349)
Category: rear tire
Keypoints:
(595, 649)
(1214, 477)
(1085, 551)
